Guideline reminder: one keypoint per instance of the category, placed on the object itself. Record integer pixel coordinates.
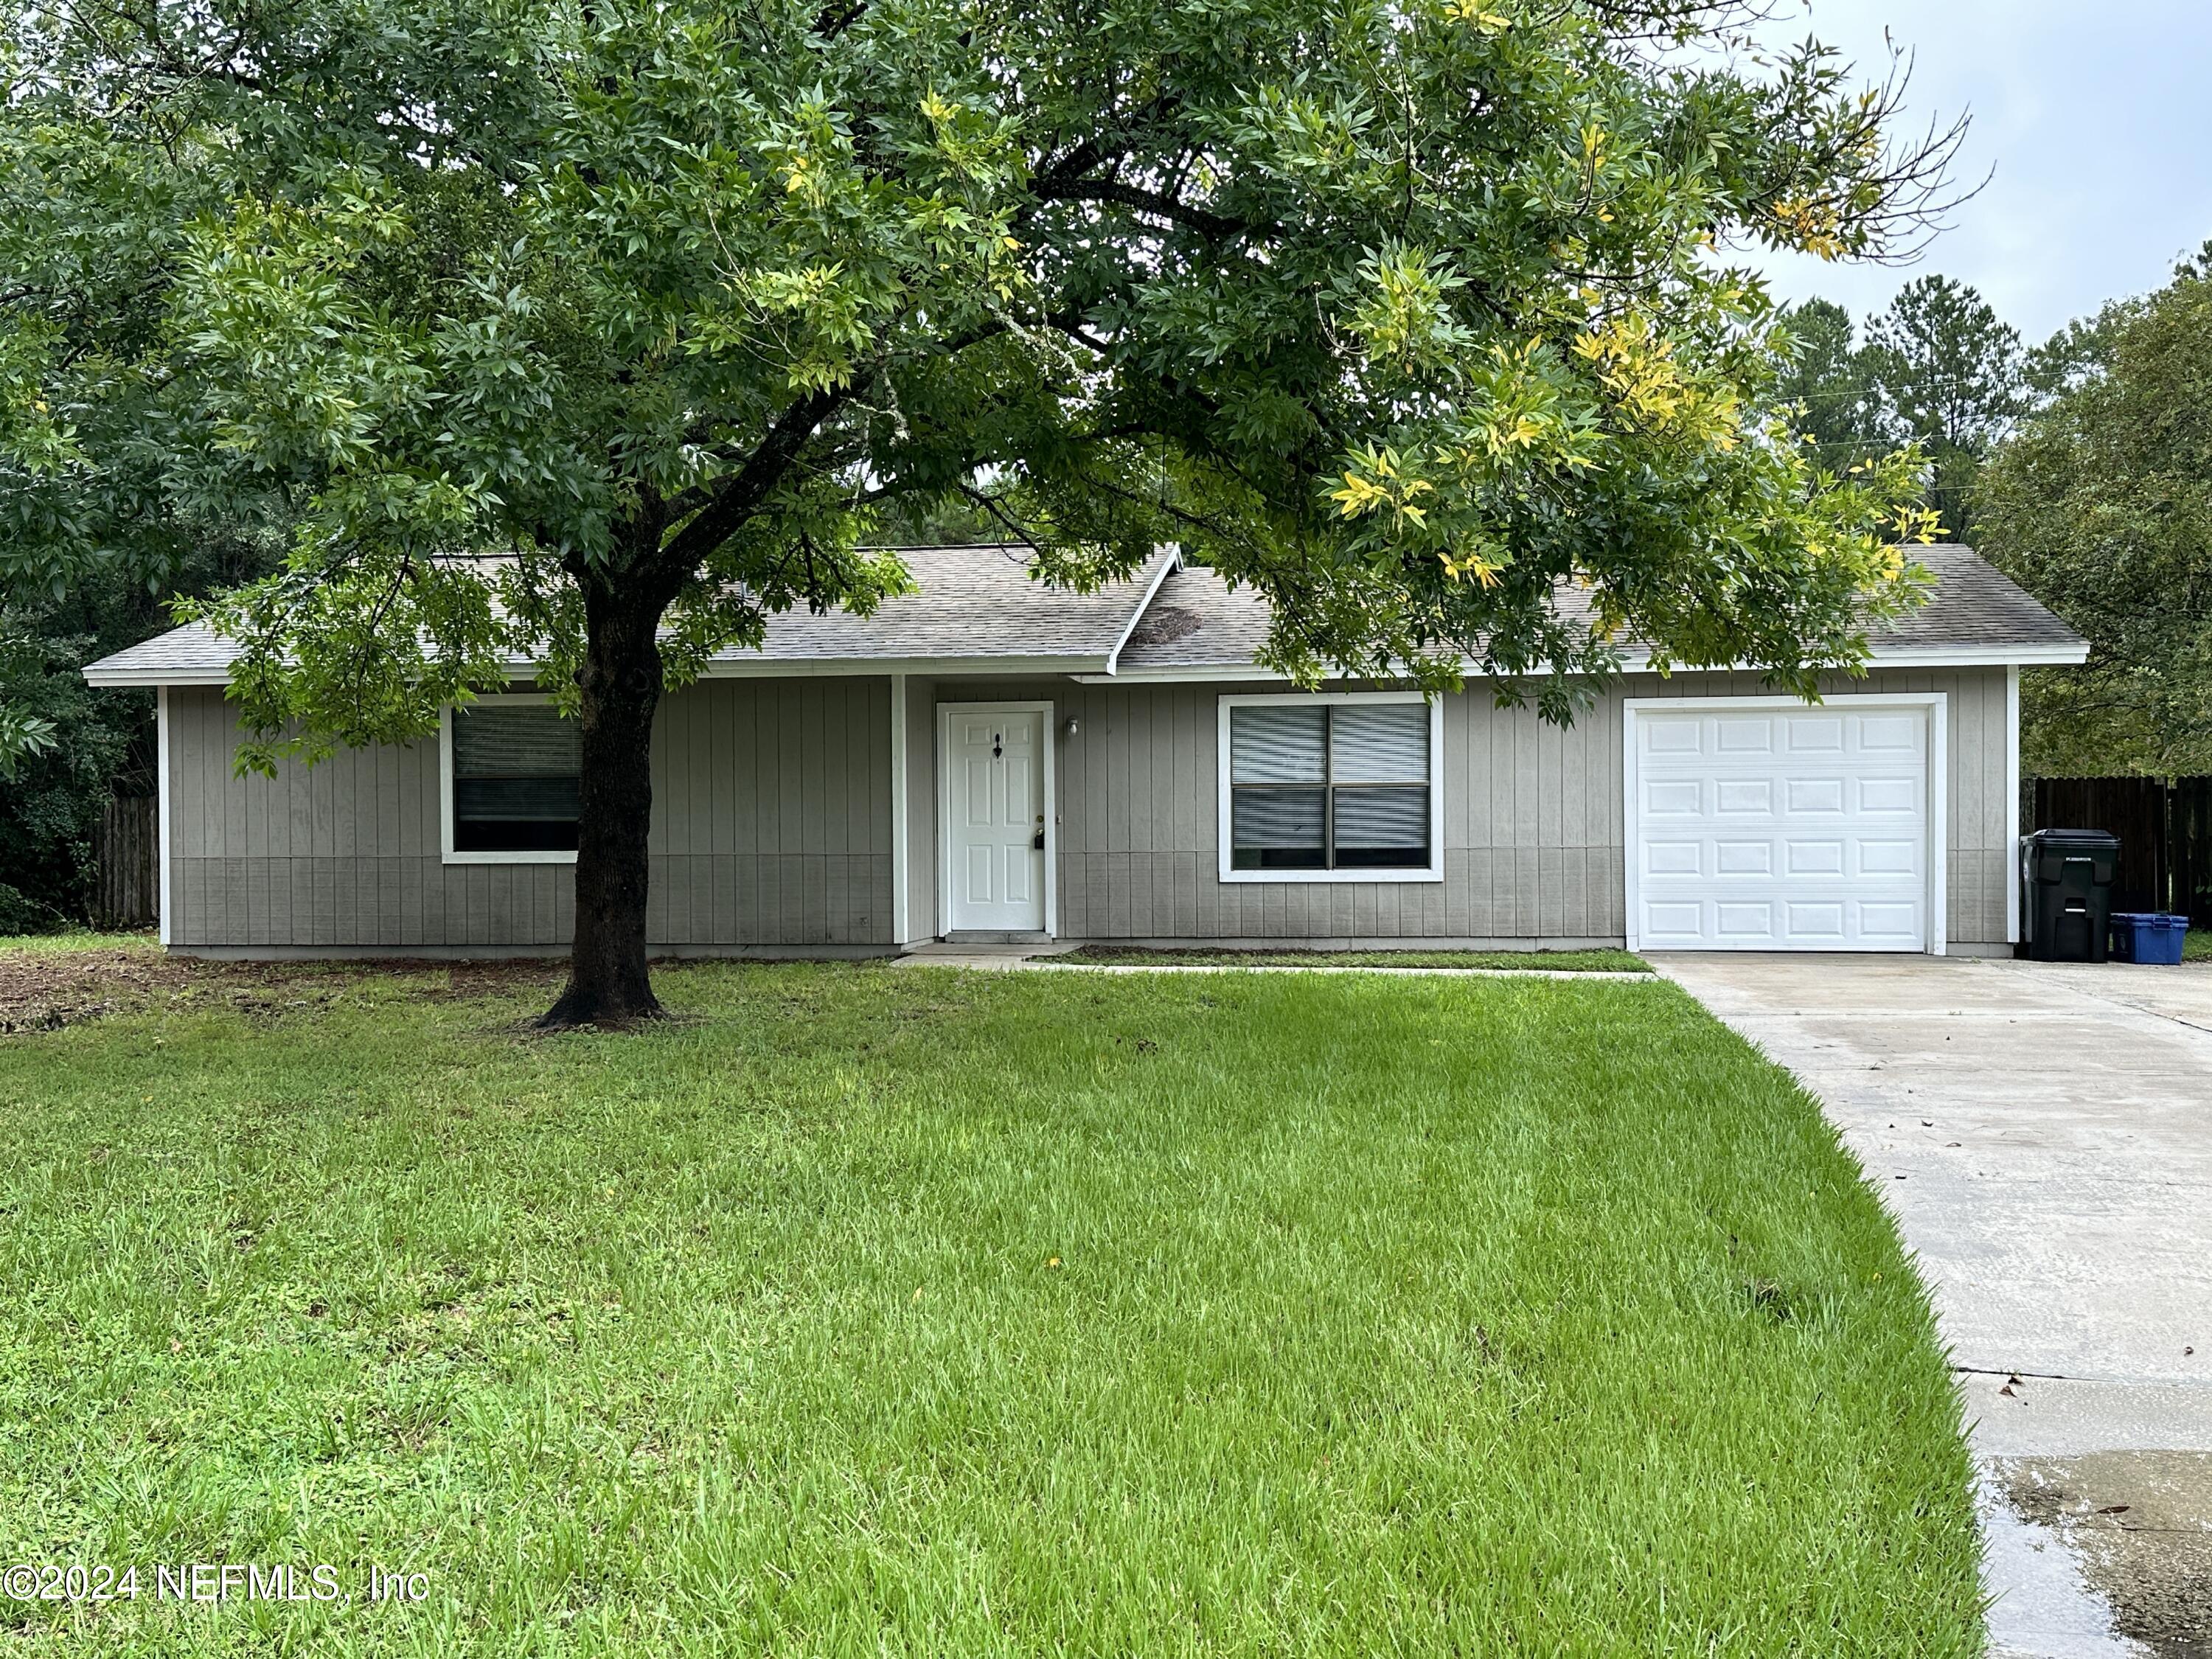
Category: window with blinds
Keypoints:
(1329, 786)
(515, 768)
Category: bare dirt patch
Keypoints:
(45, 991)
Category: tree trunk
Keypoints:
(621, 683)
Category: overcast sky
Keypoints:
(2096, 119)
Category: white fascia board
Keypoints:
(1102, 671)
(1168, 568)
(1923, 656)
(1971, 656)
(98, 675)
(1209, 676)
(753, 667)
(743, 668)
(1981, 656)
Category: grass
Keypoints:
(74, 940)
(2196, 945)
(871, 1310)
(1555, 961)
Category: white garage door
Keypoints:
(1797, 829)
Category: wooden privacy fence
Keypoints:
(126, 848)
(2165, 827)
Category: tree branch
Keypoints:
(834, 21)
(1214, 227)
(990, 505)
(1107, 147)
(738, 495)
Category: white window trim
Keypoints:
(1224, 833)
(446, 789)
(1048, 741)
(1938, 707)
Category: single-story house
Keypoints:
(988, 757)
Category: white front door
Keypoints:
(995, 806)
(1783, 829)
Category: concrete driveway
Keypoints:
(2043, 1133)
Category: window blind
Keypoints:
(1329, 786)
(515, 779)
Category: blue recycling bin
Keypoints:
(2148, 936)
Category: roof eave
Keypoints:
(759, 667)
(101, 675)
(749, 667)
(1093, 669)
(1981, 656)
(1928, 656)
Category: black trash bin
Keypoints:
(2069, 894)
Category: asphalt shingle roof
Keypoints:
(1974, 603)
(977, 604)
(1196, 621)
(974, 602)
(982, 604)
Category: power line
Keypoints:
(1869, 390)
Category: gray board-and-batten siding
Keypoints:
(773, 827)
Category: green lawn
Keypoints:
(72, 940)
(882, 1311)
(1617, 962)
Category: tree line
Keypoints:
(2081, 466)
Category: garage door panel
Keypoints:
(1739, 920)
(1673, 920)
(1675, 736)
(1743, 736)
(1896, 923)
(1891, 734)
(1818, 921)
(1816, 734)
(1889, 796)
(1788, 924)
(1886, 858)
(1783, 829)
(1809, 797)
(1820, 856)
(1743, 857)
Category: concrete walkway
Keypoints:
(2044, 1134)
(1009, 958)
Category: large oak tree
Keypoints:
(586, 335)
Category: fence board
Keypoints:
(125, 852)
(2164, 828)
